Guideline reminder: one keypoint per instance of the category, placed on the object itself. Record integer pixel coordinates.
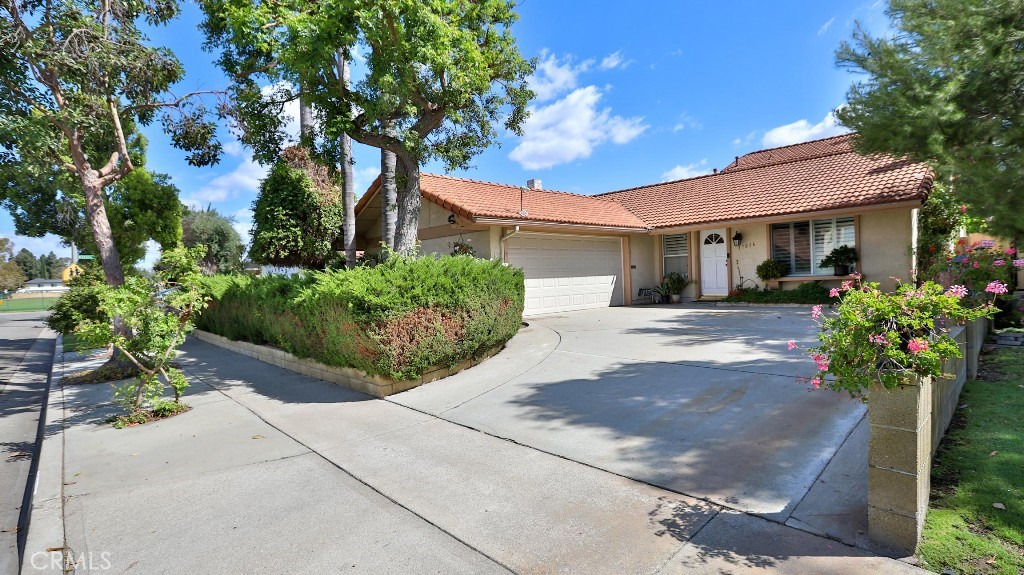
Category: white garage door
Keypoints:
(566, 273)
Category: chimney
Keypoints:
(534, 184)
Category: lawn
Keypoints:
(27, 304)
(976, 520)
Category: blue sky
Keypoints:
(628, 94)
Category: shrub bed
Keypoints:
(809, 293)
(396, 319)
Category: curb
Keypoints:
(44, 543)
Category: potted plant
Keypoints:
(840, 260)
(770, 271)
(664, 291)
(676, 283)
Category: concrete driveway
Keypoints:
(700, 400)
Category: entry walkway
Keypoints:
(273, 472)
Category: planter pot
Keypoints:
(841, 270)
(675, 298)
(773, 284)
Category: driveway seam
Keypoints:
(688, 541)
(511, 379)
(679, 363)
(365, 483)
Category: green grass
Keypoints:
(72, 343)
(26, 304)
(980, 464)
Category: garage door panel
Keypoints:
(564, 273)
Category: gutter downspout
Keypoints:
(504, 259)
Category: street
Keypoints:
(26, 353)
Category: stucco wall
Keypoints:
(753, 250)
(884, 245)
(643, 249)
(480, 240)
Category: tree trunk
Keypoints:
(388, 197)
(408, 206)
(305, 123)
(348, 189)
(97, 215)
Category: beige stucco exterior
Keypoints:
(883, 238)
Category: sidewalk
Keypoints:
(273, 472)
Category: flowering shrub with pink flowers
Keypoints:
(876, 338)
(978, 264)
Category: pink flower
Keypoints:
(988, 243)
(834, 292)
(856, 275)
(791, 344)
(1010, 251)
(963, 209)
(847, 285)
(822, 361)
(879, 339)
(977, 265)
(999, 263)
(1018, 263)
(958, 291)
(916, 346)
(997, 287)
(816, 312)
(816, 382)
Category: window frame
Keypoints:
(853, 223)
(685, 256)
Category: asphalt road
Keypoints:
(26, 354)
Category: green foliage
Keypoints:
(975, 266)
(841, 256)
(771, 269)
(938, 224)
(877, 338)
(806, 293)
(214, 232)
(142, 206)
(941, 88)
(79, 304)
(296, 220)
(395, 319)
(11, 275)
(158, 314)
(978, 465)
(676, 282)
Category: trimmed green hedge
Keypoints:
(810, 293)
(396, 319)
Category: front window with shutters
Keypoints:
(676, 249)
(802, 245)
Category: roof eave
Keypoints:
(496, 221)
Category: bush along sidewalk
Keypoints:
(158, 314)
(398, 319)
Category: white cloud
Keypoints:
(38, 246)
(152, 255)
(686, 122)
(555, 76)
(824, 27)
(233, 148)
(571, 128)
(362, 178)
(802, 131)
(615, 60)
(681, 172)
(243, 180)
(242, 222)
(745, 140)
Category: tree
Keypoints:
(440, 76)
(214, 231)
(297, 215)
(945, 88)
(11, 276)
(27, 262)
(78, 76)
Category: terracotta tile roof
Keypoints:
(824, 147)
(806, 182)
(475, 199)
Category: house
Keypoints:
(793, 203)
(40, 285)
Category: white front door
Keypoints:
(714, 262)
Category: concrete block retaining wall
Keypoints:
(907, 424)
(352, 378)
